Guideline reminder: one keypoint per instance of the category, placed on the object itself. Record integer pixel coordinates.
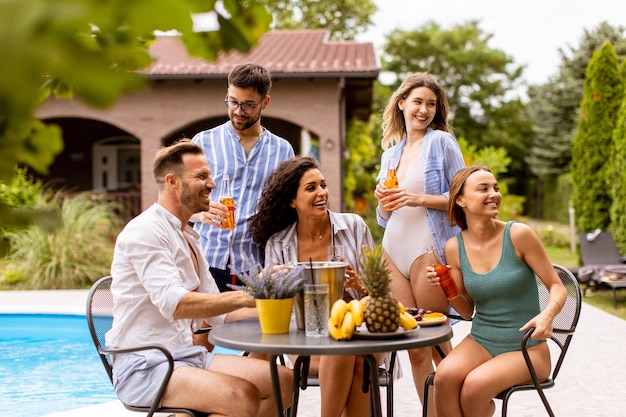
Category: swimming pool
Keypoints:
(48, 364)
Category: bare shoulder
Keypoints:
(522, 231)
(452, 251)
(525, 240)
(452, 244)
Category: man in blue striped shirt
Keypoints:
(247, 152)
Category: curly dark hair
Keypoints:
(274, 212)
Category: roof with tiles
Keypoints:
(285, 53)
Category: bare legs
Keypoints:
(232, 386)
(416, 292)
(340, 385)
(468, 380)
(341, 380)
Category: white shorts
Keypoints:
(137, 376)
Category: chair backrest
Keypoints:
(100, 317)
(565, 322)
(600, 250)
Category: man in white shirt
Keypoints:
(162, 291)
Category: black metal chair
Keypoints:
(564, 325)
(100, 320)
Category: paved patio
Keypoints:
(591, 382)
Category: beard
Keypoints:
(250, 121)
(192, 201)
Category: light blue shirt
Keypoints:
(442, 159)
(247, 174)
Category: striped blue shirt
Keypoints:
(247, 174)
(442, 158)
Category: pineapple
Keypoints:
(381, 312)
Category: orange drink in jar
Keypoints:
(445, 280)
(226, 198)
(392, 180)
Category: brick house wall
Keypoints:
(177, 105)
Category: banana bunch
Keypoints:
(345, 318)
(407, 321)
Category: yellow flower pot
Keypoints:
(274, 314)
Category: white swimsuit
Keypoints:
(407, 236)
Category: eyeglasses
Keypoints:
(247, 108)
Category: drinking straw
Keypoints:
(311, 266)
(313, 282)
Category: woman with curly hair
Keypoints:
(294, 223)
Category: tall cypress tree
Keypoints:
(618, 179)
(593, 144)
(554, 105)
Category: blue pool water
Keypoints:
(48, 364)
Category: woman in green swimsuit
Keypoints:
(494, 265)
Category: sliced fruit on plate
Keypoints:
(433, 317)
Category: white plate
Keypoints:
(361, 332)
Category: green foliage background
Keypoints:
(617, 179)
(73, 255)
(498, 161)
(478, 80)
(592, 151)
(30, 202)
(345, 19)
(93, 50)
(556, 197)
(554, 106)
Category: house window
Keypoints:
(116, 164)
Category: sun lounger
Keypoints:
(602, 263)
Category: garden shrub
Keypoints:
(73, 255)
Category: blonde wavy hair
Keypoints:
(394, 128)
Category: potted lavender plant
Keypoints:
(273, 288)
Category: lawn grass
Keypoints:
(563, 257)
(602, 298)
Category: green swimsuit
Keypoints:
(506, 298)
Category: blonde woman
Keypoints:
(418, 144)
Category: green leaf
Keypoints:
(41, 146)
(231, 36)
